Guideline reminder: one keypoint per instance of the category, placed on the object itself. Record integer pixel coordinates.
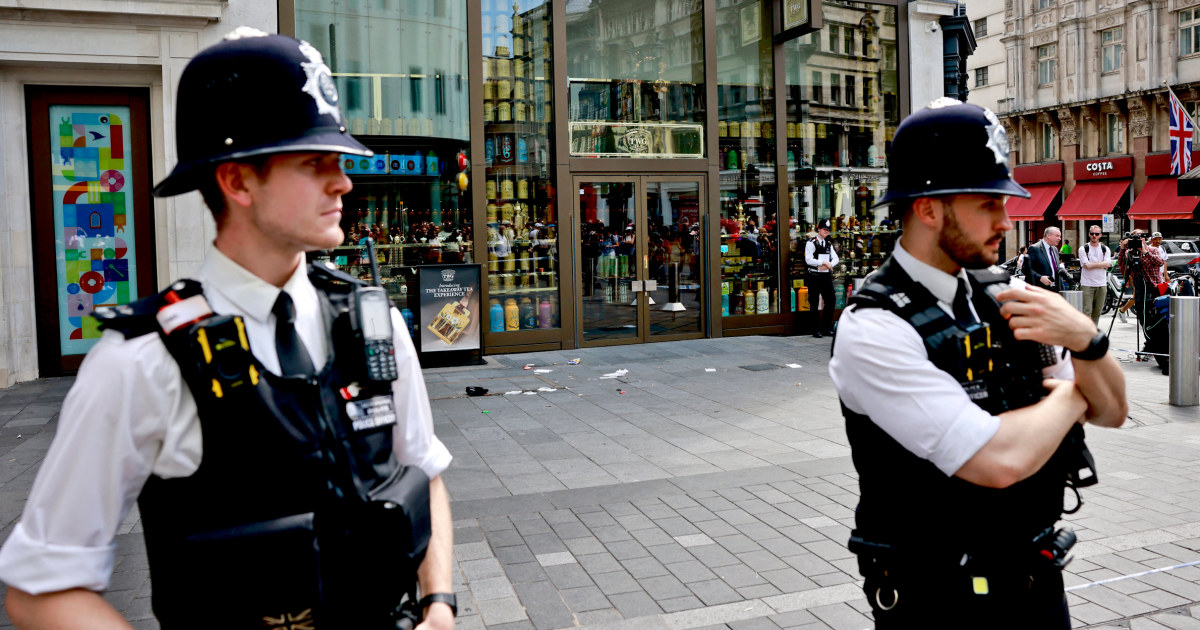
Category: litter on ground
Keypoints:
(573, 362)
(792, 365)
(617, 374)
(542, 371)
(710, 369)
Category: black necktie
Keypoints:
(293, 356)
(962, 310)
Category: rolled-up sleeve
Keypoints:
(109, 439)
(881, 369)
(413, 440)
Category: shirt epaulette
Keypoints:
(330, 278)
(139, 318)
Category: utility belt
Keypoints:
(890, 571)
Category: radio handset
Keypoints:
(372, 323)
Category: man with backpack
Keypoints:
(1095, 258)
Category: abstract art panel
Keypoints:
(92, 178)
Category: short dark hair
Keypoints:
(211, 192)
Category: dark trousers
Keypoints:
(820, 285)
(948, 600)
(1153, 325)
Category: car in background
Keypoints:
(1180, 252)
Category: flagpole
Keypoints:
(1189, 116)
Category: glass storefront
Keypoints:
(636, 78)
(401, 70)
(746, 155)
(843, 106)
(522, 222)
(706, 239)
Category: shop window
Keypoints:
(521, 213)
(980, 27)
(834, 29)
(1111, 46)
(1115, 132)
(981, 77)
(848, 41)
(1049, 143)
(835, 89)
(1045, 4)
(836, 158)
(746, 134)
(406, 198)
(625, 95)
(1046, 63)
(1189, 32)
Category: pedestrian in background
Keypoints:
(1095, 259)
(964, 432)
(1041, 261)
(282, 478)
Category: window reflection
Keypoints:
(837, 140)
(636, 78)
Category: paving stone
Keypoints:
(636, 604)
(664, 587)
(584, 598)
(501, 611)
(568, 576)
(543, 605)
(555, 559)
(642, 568)
(713, 592)
(615, 582)
(525, 572)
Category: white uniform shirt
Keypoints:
(881, 369)
(130, 415)
(1088, 254)
(813, 261)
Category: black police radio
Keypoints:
(371, 319)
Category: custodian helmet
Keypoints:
(949, 148)
(253, 94)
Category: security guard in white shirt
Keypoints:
(821, 259)
(269, 417)
(964, 417)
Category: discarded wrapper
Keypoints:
(573, 361)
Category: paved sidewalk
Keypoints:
(709, 485)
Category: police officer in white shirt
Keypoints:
(1095, 259)
(821, 259)
(285, 476)
(963, 451)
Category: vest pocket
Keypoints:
(263, 574)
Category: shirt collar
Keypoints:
(250, 294)
(942, 285)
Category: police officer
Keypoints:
(962, 410)
(821, 260)
(285, 478)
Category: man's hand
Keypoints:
(1045, 280)
(1039, 315)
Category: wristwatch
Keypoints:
(446, 598)
(1095, 350)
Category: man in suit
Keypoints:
(1041, 262)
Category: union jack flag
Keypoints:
(1181, 137)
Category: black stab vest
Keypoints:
(906, 501)
(289, 519)
(819, 249)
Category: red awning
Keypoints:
(1034, 208)
(1090, 200)
(1160, 200)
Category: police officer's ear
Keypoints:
(232, 180)
(928, 212)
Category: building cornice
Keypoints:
(201, 10)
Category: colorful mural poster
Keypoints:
(92, 178)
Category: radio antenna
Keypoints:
(374, 262)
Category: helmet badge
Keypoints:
(997, 138)
(320, 85)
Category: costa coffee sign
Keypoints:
(1104, 168)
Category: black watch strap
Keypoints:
(1095, 350)
(446, 598)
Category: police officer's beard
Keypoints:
(959, 248)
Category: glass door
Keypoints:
(641, 271)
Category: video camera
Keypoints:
(1135, 241)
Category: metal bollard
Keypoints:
(1074, 298)
(1185, 351)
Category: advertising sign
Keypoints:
(1104, 168)
(793, 18)
(449, 307)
